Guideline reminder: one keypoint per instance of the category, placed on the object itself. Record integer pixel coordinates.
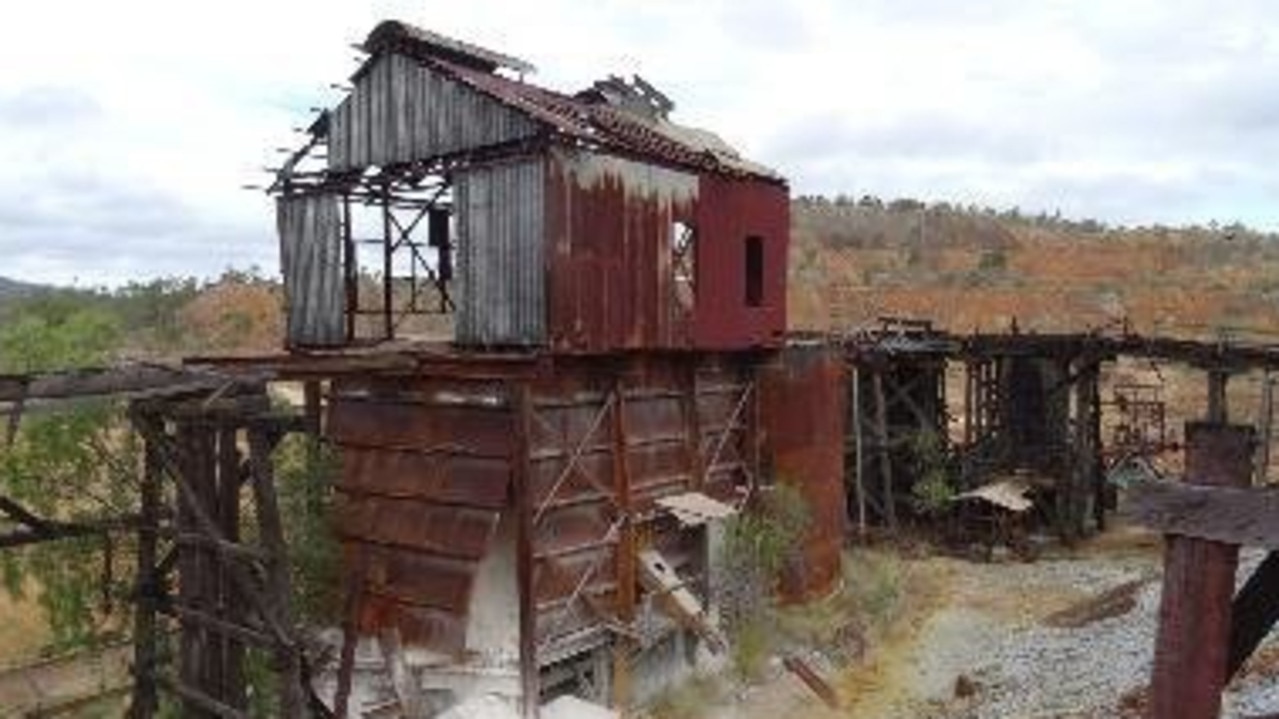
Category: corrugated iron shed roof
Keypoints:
(396, 35)
(586, 119)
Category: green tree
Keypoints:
(69, 465)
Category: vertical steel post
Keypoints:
(1094, 433)
(1198, 586)
(388, 254)
(521, 471)
(626, 552)
(351, 269)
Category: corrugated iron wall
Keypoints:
(803, 390)
(425, 479)
(686, 424)
(431, 466)
(609, 225)
(311, 261)
(502, 272)
(729, 211)
(400, 110)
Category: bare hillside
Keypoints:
(971, 269)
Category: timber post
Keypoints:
(1191, 648)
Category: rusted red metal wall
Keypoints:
(671, 414)
(425, 478)
(581, 447)
(608, 223)
(611, 279)
(802, 418)
(729, 211)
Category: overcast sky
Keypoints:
(127, 128)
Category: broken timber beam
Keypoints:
(1229, 515)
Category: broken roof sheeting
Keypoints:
(581, 120)
(396, 35)
(1010, 495)
(694, 508)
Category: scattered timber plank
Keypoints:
(677, 600)
(812, 680)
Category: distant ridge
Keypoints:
(14, 289)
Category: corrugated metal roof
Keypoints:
(398, 35)
(587, 119)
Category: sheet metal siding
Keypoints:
(728, 212)
(571, 543)
(425, 478)
(427, 474)
(803, 417)
(311, 262)
(501, 262)
(401, 110)
(609, 228)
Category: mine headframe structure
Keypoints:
(583, 223)
(616, 286)
(207, 441)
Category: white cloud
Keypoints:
(127, 128)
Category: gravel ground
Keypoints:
(985, 622)
(1020, 667)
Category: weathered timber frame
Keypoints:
(231, 594)
(409, 206)
(205, 437)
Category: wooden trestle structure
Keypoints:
(1032, 404)
(208, 442)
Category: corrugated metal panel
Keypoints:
(401, 110)
(610, 226)
(427, 483)
(803, 421)
(425, 480)
(574, 552)
(604, 125)
(729, 212)
(311, 261)
(499, 211)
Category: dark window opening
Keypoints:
(754, 271)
